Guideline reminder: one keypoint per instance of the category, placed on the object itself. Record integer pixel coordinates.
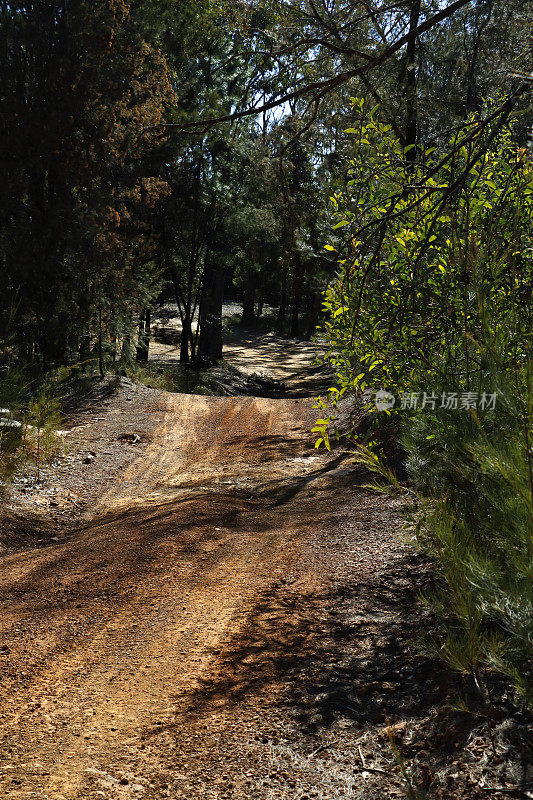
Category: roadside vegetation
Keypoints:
(440, 316)
(28, 428)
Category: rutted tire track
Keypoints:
(108, 630)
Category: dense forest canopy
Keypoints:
(120, 190)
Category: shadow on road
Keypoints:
(346, 653)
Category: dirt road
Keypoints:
(210, 608)
(109, 638)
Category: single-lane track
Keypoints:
(114, 627)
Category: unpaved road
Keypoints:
(221, 613)
(106, 638)
(291, 361)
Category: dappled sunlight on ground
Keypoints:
(291, 361)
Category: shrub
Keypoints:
(476, 469)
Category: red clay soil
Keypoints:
(220, 613)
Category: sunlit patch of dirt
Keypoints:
(292, 363)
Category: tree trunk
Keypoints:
(143, 344)
(84, 348)
(100, 345)
(186, 335)
(126, 348)
(210, 338)
(184, 306)
(313, 315)
(248, 305)
(282, 315)
(296, 297)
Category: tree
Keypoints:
(80, 184)
(412, 296)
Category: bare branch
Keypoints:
(319, 89)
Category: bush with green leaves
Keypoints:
(12, 392)
(29, 437)
(476, 472)
(427, 250)
(434, 294)
(41, 421)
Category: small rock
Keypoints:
(88, 459)
(93, 772)
(108, 782)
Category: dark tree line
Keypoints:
(119, 190)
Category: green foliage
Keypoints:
(181, 378)
(41, 421)
(12, 455)
(434, 296)
(432, 249)
(412, 790)
(479, 529)
(36, 415)
(81, 160)
(474, 478)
